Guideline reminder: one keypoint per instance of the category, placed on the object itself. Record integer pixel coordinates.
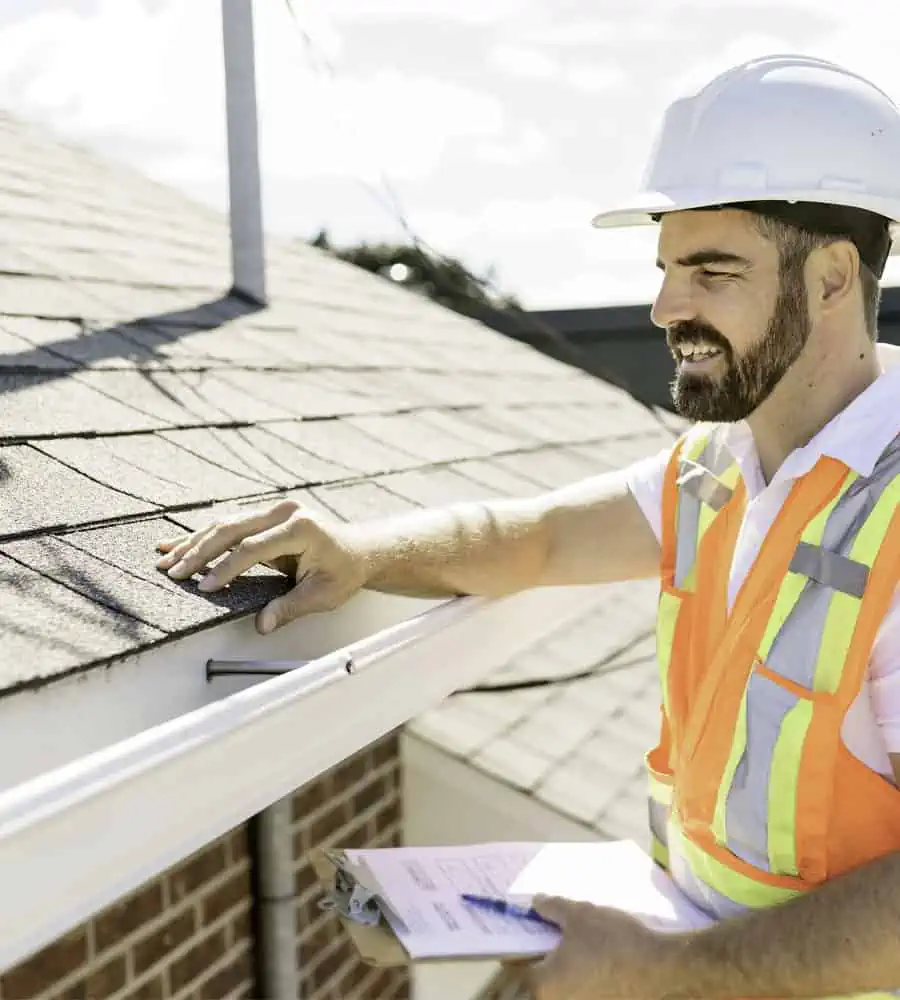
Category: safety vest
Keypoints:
(753, 796)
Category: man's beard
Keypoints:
(748, 380)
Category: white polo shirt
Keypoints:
(856, 436)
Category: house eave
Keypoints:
(132, 808)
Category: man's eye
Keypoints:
(706, 273)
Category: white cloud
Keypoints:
(595, 79)
(575, 33)
(508, 218)
(530, 143)
(152, 82)
(524, 62)
(475, 12)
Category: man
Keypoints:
(773, 526)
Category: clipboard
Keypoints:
(376, 943)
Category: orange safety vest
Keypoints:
(753, 796)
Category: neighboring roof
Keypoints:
(576, 747)
(136, 395)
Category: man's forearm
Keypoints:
(488, 549)
(839, 939)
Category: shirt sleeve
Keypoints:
(645, 480)
(884, 677)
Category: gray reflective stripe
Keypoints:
(698, 892)
(688, 527)
(697, 483)
(703, 485)
(830, 569)
(659, 820)
(747, 806)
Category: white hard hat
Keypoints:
(785, 128)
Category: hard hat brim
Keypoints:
(640, 209)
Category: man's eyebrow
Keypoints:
(700, 257)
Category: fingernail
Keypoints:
(266, 622)
(209, 582)
(176, 571)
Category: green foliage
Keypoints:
(443, 279)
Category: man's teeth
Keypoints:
(696, 352)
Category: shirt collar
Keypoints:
(856, 436)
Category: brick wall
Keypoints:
(358, 804)
(184, 935)
(188, 935)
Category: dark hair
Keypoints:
(798, 228)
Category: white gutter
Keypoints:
(80, 837)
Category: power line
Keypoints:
(609, 664)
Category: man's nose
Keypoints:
(673, 304)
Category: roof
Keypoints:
(578, 746)
(138, 398)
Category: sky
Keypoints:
(499, 126)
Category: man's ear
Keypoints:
(831, 273)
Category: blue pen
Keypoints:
(506, 909)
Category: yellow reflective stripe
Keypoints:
(738, 745)
(793, 583)
(660, 791)
(843, 609)
(707, 516)
(666, 617)
(784, 779)
(739, 888)
(659, 852)
(695, 441)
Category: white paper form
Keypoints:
(616, 874)
(423, 885)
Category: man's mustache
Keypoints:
(693, 332)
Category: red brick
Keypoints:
(46, 968)
(102, 982)
(237, 973)
(116, 923)
(324, 970)
(242, 926)
(390, 814)
(328, 824)
(350, 773)
(305, 878)
(310, 798)
(235, 891)
(370, 795)
(157, 945)
(239, 844)
(201, 868)
(152, 989)
(386, 750)
(196, 961)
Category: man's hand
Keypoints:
(603, 953)
(325, 566)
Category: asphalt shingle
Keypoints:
(338, 441)
(56, 403)
(151, 468)
(130, 549)
(50, 629)
(28, 502)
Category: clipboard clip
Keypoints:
(356, 894)
(352, 900)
